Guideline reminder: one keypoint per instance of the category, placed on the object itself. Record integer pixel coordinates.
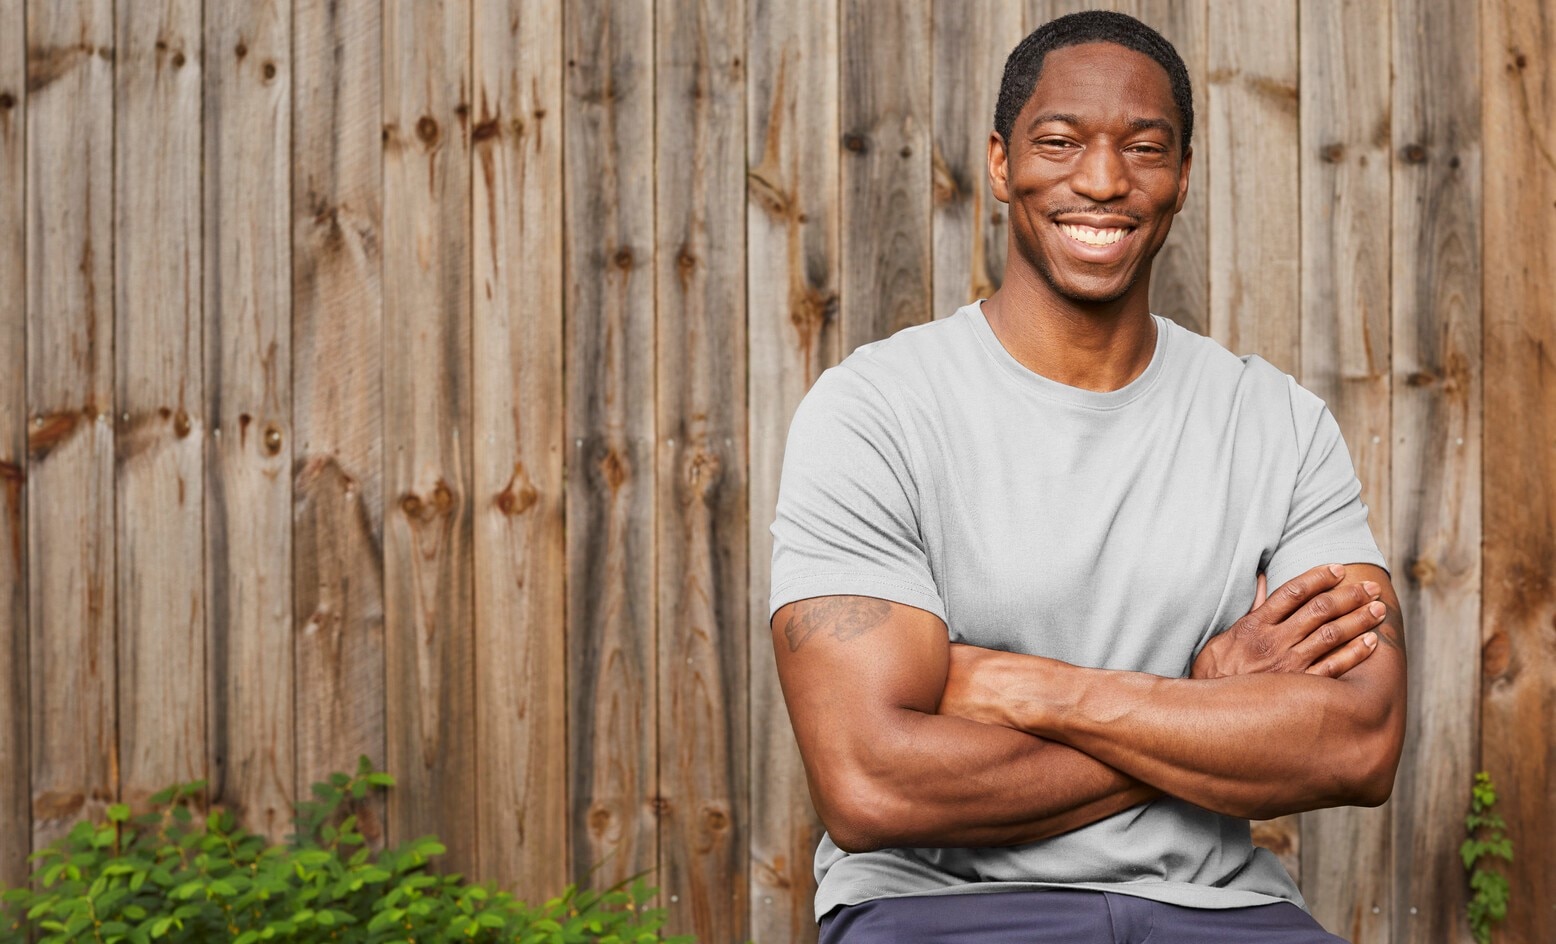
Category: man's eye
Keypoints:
(1054, 142)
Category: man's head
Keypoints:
(1091, 151)
(1025, 63)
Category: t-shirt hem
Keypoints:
(1304, 558)
(862, 585)
(1182, 894)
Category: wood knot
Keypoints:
(7, 101)
(1423, 570)
(57, 804)
(442, 498)
(855, 142)
(1496, 656)
(178, 60)
(273, 439)
(1520, 61)
(49, 431)
(410, 503)
(1420, 378)
(907, 151)
(1454, 162)
(714, 819)
(623, 259)
(240, 50)
(661, 806)
(600, 820)
(490, 128)
(427, 130)
(1332, 153)
(1413, 154)
(269, 71)
(685, 265)
(520, 495)
(539, 113)
(701, 470)
(614, 468)
(181, 424)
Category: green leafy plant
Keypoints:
(1487, 840)
(161, 876)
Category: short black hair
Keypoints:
(1025, 64)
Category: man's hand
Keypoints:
(1312, 624)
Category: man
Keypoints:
(1010, 545)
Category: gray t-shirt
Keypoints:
(1118, 530)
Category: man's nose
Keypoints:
(1100, 175)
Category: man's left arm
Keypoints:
(1256, 746)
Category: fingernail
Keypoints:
(1370, 640)
(1377, 609)
(1337, 570)
(1371, 588)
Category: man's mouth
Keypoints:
(1093, 235)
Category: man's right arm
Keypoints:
(862, 678)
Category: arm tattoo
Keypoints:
(844, 617)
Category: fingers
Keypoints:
(1336, 633)
(1345, 658)
(1262, 592)
(1299, 590)
(1327, 607)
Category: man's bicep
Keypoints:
(859, 653)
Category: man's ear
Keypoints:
(1183, 179)
(999, 168)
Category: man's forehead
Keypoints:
(1099, 80)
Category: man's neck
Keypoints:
(1093, 347)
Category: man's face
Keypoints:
(1092, 172)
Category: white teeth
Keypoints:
(1091, 235)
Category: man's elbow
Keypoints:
(1374, 759)
(861, 813)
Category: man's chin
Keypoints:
(1080, 292)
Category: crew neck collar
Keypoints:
(1053, 389)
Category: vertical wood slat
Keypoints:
(1345, 322)
(429, 637)
(158, 365)
(1518, 698)
(792, 307)
(15, 821)
(1180, 274)
(1038, 12)
(520, 564)
(608, 127)
(337, 406)
(1251, 134)
(1437, 451)
(970, 43)
(248, 381)
(886, 192)
(700, 476)
(70, 440)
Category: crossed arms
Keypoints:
(909, 740)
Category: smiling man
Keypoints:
(1019, 565)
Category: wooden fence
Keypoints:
(410, 379)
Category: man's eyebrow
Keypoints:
(1159, 124)
(1063, 117)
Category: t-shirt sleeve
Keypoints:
(1327, 521)
(847, 520)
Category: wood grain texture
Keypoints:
(1038, 12)
(15, 819)
(428, 628)
(158, 364)
(970, 43)
(791, 310)
(520, 554)
(1180, 274)
(700, 476)
(1347, 874)
(1251, 137)
(70, 439)
(885, 116)
(612, 679)
(1437, 451)
(337, 409)
(248, 382)
(1518, 659)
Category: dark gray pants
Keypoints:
(1071, 916)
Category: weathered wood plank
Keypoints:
(1345, 320)
(1437, 450)
(792, 306)
(885, 175)
(1180, 276)
(520, 554)
(612, 682)
(248, 380)
(1518, 704)
(70, 440)
(15, 820)
(971, 42)
(160, 444)
(1038, 12)
(337, 413)
(429, 635)
(1251, 138)
(700, 475)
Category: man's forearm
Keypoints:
(950, 782)
(1254, 745)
